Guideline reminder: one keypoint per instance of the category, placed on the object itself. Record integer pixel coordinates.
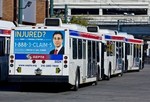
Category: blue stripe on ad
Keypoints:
(56, 57)
(21, 56)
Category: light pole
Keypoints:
(66, 13)
(20, 12)
(51, 8)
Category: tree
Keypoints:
(79, 20)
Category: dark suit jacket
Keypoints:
(60, 52)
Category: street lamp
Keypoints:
(20, 10)
(27, 5)
(62, 13)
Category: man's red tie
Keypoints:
(55, 52)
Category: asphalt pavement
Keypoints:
(131, 87)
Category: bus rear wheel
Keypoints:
(77, 82)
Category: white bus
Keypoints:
(134, 52)
(5, 31)
(32, 58)
(112, 54)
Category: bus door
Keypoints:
(92, 62)
(136, 56)
(140, 56)
(127, 53)
(113, 56)
(119, 60)
(4, 51)
(102, 49)
(130, 55)
(123, 56)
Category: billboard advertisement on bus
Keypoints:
(38, 42)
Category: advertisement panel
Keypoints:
(38, 42)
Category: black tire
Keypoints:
(97, 78)
(77, 82)
(122, 70)
(98, 74)
(126, 66)
(140, 66)
(109, 73)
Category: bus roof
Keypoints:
(107, 31)
(6, 24)
(75, 27)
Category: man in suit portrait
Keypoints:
(58, 41)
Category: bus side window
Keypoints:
(97, 48)
(84, 49)
(74, 48)
(140, 51)
(2, 46)
(79, 49)
(70, 42)
(128, 47)
(93, 50)
(7, 46)
(108, 48)
(135, 51)
(89, 50)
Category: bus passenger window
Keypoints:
(70, 43)
(2, 47)
(140, 51)
(84, 49)
(89, 50)
(7, 46)
(93, 49)
(97, 48)
(108, 48)
(74, 48)
(79, 49)
(128, 47)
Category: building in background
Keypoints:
(98, 11)
(36, 13)
(106, 11)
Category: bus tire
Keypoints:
(126, 66)
(109, 73)
(98, 73)
(122, 70)
(97, 76)
(77, 82)
(140, 67)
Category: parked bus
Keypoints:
(134, 49)
(32, 58)
(112, 53)
(133, 52)
(5, 31)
